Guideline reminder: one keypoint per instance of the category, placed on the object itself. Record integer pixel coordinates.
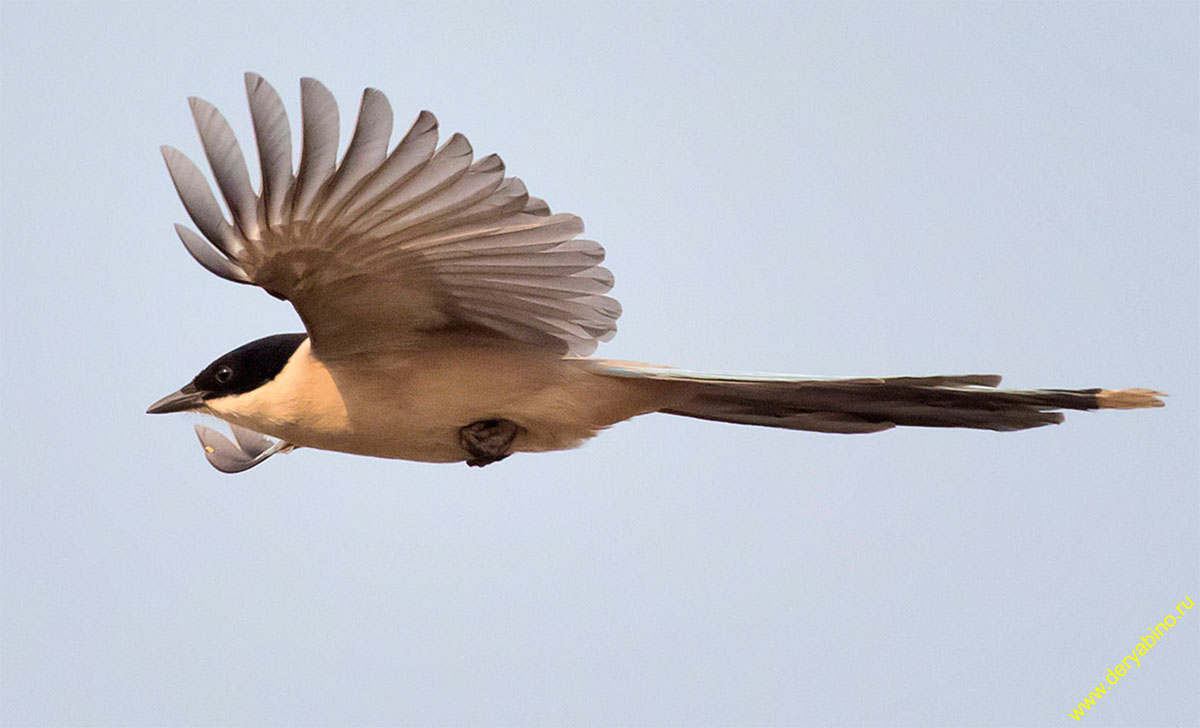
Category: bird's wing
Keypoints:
(247, 449)
(384, 248)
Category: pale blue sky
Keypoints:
(829, 189)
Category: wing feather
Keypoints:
(319, 117)
(519, 231)
(447, 165)
(228, 165)
(508, 199)
(480, 181)
(200, 204)
(367, 150)
(209, 257)
(274, 137)
(568, 286)
(414, 150)
(385, 247)
(537, 206)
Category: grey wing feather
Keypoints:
(318, 156)
(208, 256)
(447, 165)
(476, 185)
(367, 150)
(384, 247)
(200, 204)
(228, 165)
(414, 149)
(251, 442)
(274, 137)
(248, 448)
(537, 206)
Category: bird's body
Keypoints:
(449, 315)
(412, 405)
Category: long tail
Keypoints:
(872, 404)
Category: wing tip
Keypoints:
(256, 83)
(202, 110)
(458, 145)
(490, 164)
(210, 257)
(179, 166)
(575, 223)
(309, 85)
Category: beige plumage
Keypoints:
(438, 294)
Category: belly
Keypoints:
(394, 437)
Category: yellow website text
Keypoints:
(1132, 660)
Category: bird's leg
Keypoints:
(488, 441)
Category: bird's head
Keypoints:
(239, 372)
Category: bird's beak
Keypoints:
(185, 399)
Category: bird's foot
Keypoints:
(488, 441)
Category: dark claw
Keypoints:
(488, 441)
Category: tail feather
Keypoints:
(1129, 398)
(864, 405)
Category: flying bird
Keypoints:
(450, 316)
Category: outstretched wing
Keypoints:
(384, 248)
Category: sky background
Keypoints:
(824, 189)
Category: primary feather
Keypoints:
(382, 249)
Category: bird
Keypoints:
(449, 316)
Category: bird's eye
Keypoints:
(224, 374)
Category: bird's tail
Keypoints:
(872, 404)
